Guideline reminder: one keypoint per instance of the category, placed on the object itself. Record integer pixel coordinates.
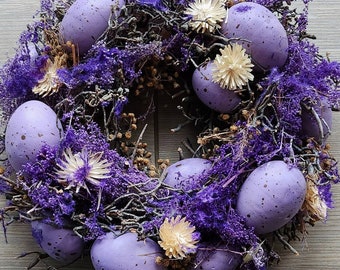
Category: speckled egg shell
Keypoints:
(125, 252)
(317, 121)
(211, 94)
(32, 125)
(59, 243)
(271, 196)
(181, 173)
(262, 34)
(212, 257)
(86, 20)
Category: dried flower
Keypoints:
(82, 167)
(177, 237)
(50, 83)
(232, 69)
(313, 204)
(206, 15)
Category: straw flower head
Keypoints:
(313, 204)
(177, 237)
(232, 68)
(50, 83)
(206, 15)
(76, 170)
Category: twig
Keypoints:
(138, 141)
(285, 243)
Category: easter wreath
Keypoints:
(246, 76)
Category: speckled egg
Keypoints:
(211, 94)
(260, 33)
(61, 244)
(86, 20)
(32, 125)
(125, 252)
(215, 257)
(182, 173)
(271, 196)
(316, 119)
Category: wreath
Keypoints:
(244, 75)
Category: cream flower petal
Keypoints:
(92, 166)
(232, 68)
(50, 83)
(206, 15)
(177, 237)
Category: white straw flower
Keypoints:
(50, 83)
(177, 237)
(77, 169)
(206, 15)
(232, 69)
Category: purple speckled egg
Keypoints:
(182, 173)
(86, 20)
(211, 94)
(316, 120)
(32, 125)
(271, 196)
(125, 252)
(261, 34)
(212, 257)
(59, 243)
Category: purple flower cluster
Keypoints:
(18, 77)
(103, 65)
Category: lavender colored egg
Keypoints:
(125, 252)
(86, 20)
(210, 257)
(316, 120)
(211, 94)
(261, 34)
(59, 243)
(32, 125)
(182, 173)
(271, 196)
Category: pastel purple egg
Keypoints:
(260, 33)
(210, 257)
(59, 243)
(125, 252)
(86, 20)
(316, 120)
(182, 173)
(32, 125)
(271, 196)
(211, 94)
